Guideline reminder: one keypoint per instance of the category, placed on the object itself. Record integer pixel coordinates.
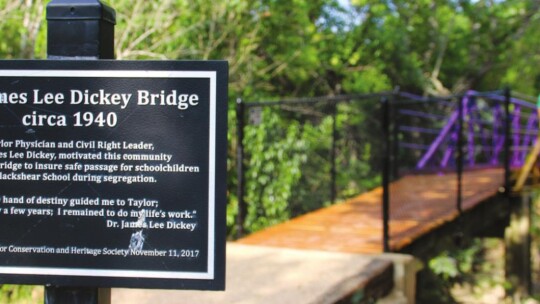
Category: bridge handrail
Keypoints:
(467, 124)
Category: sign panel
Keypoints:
(112, 173)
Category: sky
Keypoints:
(344, 3)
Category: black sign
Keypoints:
(112, 173)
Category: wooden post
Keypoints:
(518, 245)
(79, 30)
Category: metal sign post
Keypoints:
(79, 29)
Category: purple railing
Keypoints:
(448, 136)
(484, 132)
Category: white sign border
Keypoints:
(209, 274)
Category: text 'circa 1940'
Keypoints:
(101, 97)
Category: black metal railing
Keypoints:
(341, 140)
(387, 136)
(441, 137)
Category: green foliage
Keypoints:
(23, 28)
(444, 266)
(302, 48)
(280, 48)
(21, 294)
(291, 48)
(456, 262)
(276, 153)
(289, 158)
(466, 273)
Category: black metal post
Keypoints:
(459, 161)
(77, 295)
(507, 141)
(394, 118)
(82, 29)
(79, 30)
(240, 167)
(333, 191)
(386, 174)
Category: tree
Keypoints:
(298, 48)
(23, 31)
(444, 46)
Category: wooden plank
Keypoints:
(528, 166)
(418, 204)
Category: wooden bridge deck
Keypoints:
(418, 205)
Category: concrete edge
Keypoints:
(405, 269)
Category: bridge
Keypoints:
(441, 157)
(446, 168)
(444, 161)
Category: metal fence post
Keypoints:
(79, 30)
(459, 161)
(333, 174)
(507, 140)
(394, 117)
(386, 173)
(240, 167)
